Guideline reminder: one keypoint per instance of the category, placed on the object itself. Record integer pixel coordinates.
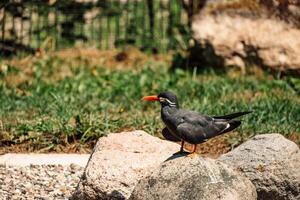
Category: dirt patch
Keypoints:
(295, 138)
(27, 147)
(213, 148)
(116, 59)
(25, 69)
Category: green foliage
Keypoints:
(148, 25)
(85, 106)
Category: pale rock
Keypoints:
(272, 163)
(182, 177)
(119, 161)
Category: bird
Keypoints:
(190, 126)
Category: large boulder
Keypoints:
(119, 161)
(272, 163)
(248, 33)
(194, 178)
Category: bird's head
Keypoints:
(165, 99)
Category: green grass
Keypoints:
(86, 105)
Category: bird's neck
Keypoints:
(168, 110)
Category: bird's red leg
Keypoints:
(181, 148)
(193, 153)
(194, 149)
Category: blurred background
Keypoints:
(152, 26)
(75, 70)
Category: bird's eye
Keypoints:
(161, 99)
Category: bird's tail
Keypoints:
(233, 115)
(233, 125)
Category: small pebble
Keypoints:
(39, 181)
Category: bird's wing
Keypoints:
(197, 127)
(169, 136)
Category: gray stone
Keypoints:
(272, 163)
(198, 178)
(119, 161)
(233, 33)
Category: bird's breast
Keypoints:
(169, 118)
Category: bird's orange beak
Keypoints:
(151, 98)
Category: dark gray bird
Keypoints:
(189, 126)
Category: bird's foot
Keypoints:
(193, 155)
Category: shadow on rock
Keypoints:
(177, 155)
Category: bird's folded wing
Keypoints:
(169, 136)
(199, 127)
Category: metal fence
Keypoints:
(152, 25)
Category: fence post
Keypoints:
(170, 26)
(3, 24)
(151, 20)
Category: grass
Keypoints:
(52, 101)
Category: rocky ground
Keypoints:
(39, 181)
(136, 166)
